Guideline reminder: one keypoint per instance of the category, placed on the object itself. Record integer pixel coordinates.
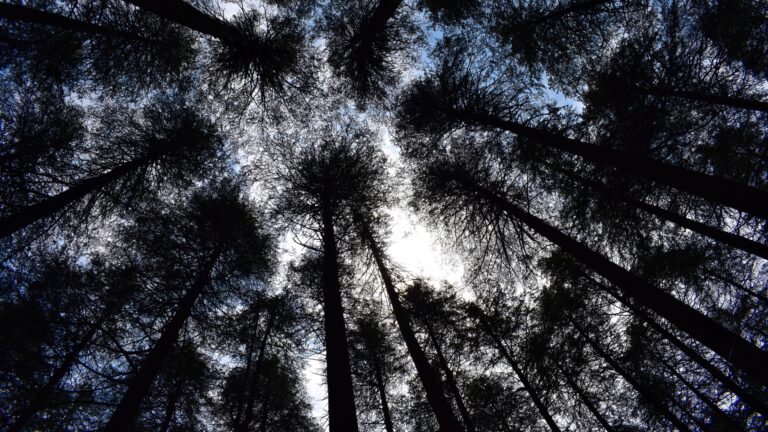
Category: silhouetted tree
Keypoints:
(331, 171)
(219, 237)
(454, 97)
(365, 41)
(105, 42)
(465, 182)
(168, 145)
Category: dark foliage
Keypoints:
(213, 215)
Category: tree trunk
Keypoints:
(28, 215)
(128, 409)
(584, 398)
(384, 405)
(712, 99)
(341, 397)
(644, 392)
(182, 13)
(697, 358)
(733, 240)
(254, 382)
(732, 347)
(429, 379)
(15, 12)
(450, 379)
(520, 375)
(722, 191)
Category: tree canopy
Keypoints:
(214, 215)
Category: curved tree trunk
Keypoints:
(718, 190)
(184, 14)
(127, 410)
(450, 379)
(641, 389)
(427, 375)
(502, 349)
(16, 12)
(28, 215)
(341, 398)
(730, 346)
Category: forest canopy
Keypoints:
(203, 206)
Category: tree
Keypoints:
(719, 22)
(374, 367)
(335, 169)
(112, 285)
(430, 310)
(487, 328)
(364, 38)
(104, 42)
(454, 98)
(169, 143)
(261, 60)
(219, 237)
(428, 376)
(463, 179)
(556, 37)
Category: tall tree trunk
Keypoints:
(754, 402)
(182, 13)
(127, 410)
(584, 398)
(641, 389)
(730, 346)
(724, 237)
(520, 374)
(722, 191)
(384, 404)
(16, 12)
(43, 394)
(51, 205)
(254, 382)
(450, 378)
(712, 99)
(341, 397)
(427, 375)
